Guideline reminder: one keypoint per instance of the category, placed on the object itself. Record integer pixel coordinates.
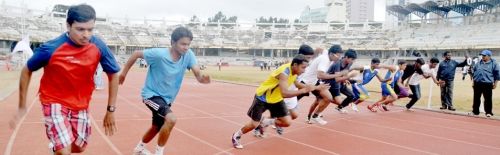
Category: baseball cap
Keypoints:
(486, 52)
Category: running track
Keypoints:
(209, 114)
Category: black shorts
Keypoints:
(314, 92)
(258, 107)
(159, 108)
(335, 92)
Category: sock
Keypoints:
(315, 115)
(266, 122)
(159, 149)
(140, 146)
(237, 134)
(308, 116)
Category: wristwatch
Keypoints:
(111, 108)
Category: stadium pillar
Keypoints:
(219, 51)
(203, 51)
(237, 53)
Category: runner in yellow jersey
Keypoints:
(269, 96)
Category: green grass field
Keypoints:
(8, 82)
(462, 97)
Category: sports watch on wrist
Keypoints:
(111, 108)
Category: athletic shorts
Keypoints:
(314, 92)
(334, 92)
(159, 109)
(65, 126)
(359, 92)
(258, 107)
(291, 103)
(387, 90)
(402, 92)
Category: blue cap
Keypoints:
(486, 52)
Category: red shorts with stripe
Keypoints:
(65, 126)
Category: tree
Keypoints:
(220, 17)
(194, 21)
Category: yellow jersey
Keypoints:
(269, 91)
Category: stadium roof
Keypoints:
(417, 10)
(435, 8)
(442, 9)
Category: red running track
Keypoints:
(209, 114)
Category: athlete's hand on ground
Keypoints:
(109, 123)
(20, 113)
(121, 78)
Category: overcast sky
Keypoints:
(245, 10)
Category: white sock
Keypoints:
(140, 146)
(159, 149)
(267, 121)
(238, 133)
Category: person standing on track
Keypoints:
(163, 81)
(66, 87)
(486, 76)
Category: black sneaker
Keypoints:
(279, 130)
(489, 115)
(385, 108)
(443, 108)
(258, 131)
(451, 109)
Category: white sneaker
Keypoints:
(318, 120)
(141, 151)
(354, 107)
(51, 148)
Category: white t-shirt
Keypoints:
(321, 63)
(416, 78)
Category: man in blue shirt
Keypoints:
(163, 81)
(486, 76)
(446, 75)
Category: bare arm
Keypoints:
(24, 83)
(23, 86)
(325, 76)
(285, 92)
(400, 82)
(129, 64)
(381, 79)
(109, 119)
(205, 79)
(299, 84)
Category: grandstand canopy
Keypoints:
(435, 8)
(417, 10)
(398, 11)
(442, 9)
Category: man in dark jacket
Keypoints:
(446, 75)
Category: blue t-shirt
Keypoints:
(368, 74)
(164, 77)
